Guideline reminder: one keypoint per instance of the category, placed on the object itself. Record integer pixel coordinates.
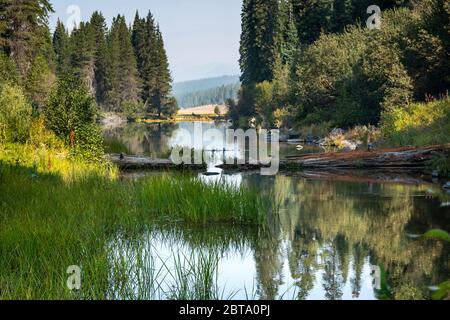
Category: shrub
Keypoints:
(40, 136)
(133, 110)
(88, 143)
(420, 124)
(39, 82)
(8, 71)
(15, 114)
(69, 107)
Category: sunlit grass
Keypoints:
(66, 213)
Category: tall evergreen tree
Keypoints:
(83, 48)
(342, 14)
(139, 41)
(99, 30)
(258, 45)
(152, 64)
(122, 84)
(23, 31)
(312, 18)
(61, 45)
(288, 42)
(162, 89)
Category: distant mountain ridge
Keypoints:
(206, 91)
(180, 88)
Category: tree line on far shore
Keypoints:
(316, 62)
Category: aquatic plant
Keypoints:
(48, 223)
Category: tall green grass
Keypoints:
(49, 222)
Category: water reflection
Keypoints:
(331, 240)
(157, 140)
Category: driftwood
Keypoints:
(407, 158)
(144, 163)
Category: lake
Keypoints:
(332, 239)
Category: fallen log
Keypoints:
(125, 162)
(407, 157)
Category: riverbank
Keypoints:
(414, 159)
(57, 213)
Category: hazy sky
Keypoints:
(201, 36)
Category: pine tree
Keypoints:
(122, 84)
(288, 41)
(342, 14)
(83, 54)
(99, 30)
(138, 39)
(39, 82)
(152, 64)
(162, 89)
(129, 82)
(312, 18)
(23, 31)
(258, 45)
(61, 46)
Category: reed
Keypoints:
(49, 221)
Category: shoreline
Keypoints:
(408, 159)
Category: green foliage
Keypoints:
(88, 143)
(170, 107)
(8, 71)
(41, 137)
(420, 124)
(342, 72)
(437, 235)
(265, 103)
(441, 163)
(39, 82)
(25, 34)
(61, 46)
(121, 75)
(69, 107)
(133, 110)
(258, 45)
(119, 66)
(15, 114)
(443, 291)
(152, 64)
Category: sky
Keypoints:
(201, 36)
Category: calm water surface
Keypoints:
(331, 240)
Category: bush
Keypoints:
(8, 71)
(420, 124)
(88, 143)
(41, 137)
(133, 110)
(71, 114)
(69, 107)
(39, 82)
(15, 114)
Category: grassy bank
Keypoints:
(56, 212)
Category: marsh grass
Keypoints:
(50, 221)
